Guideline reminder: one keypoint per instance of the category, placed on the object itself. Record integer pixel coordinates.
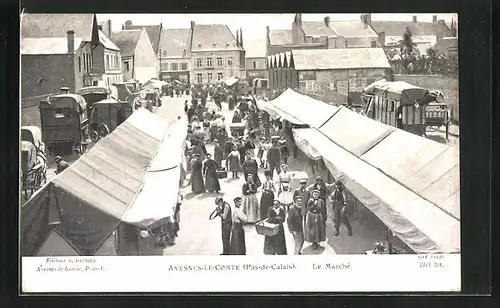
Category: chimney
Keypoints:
(237, 38)
(434, 18)
(414, 18)
(128, 25)
(192, 25)
(327, 21)
(241, 37)
(109, 28)
(369, 19)
(70, 34)
(381, 38)
(298, 19)
(441, 22)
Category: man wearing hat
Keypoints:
(239, 218)
(322, 187)
(224, 211)
(339, 205)
(61, 164)
(295, 223)
(274, 157)
(304, 194)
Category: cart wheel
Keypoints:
(94, 135)
(103, 131)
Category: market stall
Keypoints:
(101, 204)
(419, 223)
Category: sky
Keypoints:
(252, 25)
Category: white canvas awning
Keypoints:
(419, 223)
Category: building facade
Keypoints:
(325, 34)
(175, 55)
(154, 34)
(256, 67)
(215, 54)
(338, 75)
(138, 57)
(55, 56)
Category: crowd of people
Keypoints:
(303, 210)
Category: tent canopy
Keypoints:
(427, 167)
(231, 81)
(94, 195)
(304, 108)
(158, 195)
(354, 132)
(419, 223)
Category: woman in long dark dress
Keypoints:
(233, 162)
(210, 172)
(238, 246)
(197, 185)
(250, 166)
(276, 245)
(267, 198)
(250, 203)
(315, 229)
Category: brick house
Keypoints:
(175, 55)
(325, 34)
(138, 56)
(339, 74)
(215, 54)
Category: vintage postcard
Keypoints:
(277, 151)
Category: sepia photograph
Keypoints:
(306, 135)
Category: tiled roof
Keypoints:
(341, 58)
(397, 28)
(126, 40)
(106, 42)
(255, 48)
(175, 41)
(352, 28)
(446, 43)
(280, 37)
(359, 42)
(213, 37)
(317, 28)
(153, 33)
(47, 46)
(56, 25)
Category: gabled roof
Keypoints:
(255, 48)
(317, 29)
(280, 37)
(47, 46)
(352, 28)
(213, 37)
(340, 58)
(175, 42)
(127, 41)
(397, 28)
(106, 42)
(153, 33)
(56, 25)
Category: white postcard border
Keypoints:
(184, 274)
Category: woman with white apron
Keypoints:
(285, 193)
